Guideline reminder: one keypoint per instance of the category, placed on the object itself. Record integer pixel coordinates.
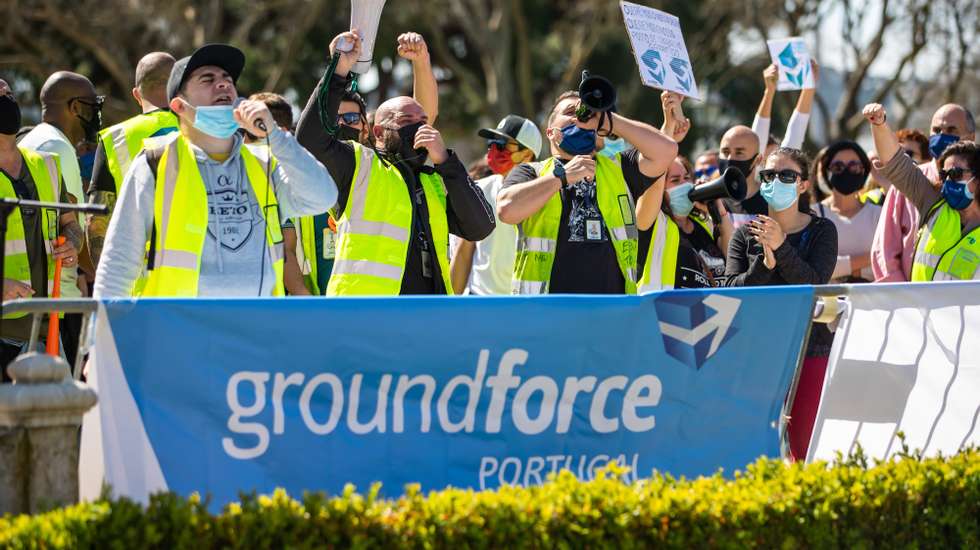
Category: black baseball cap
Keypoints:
(225, 56)
(519, 129)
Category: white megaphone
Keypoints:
(364, 16)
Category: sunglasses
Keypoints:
(504, 144)
(955, 174)
(852, 166)
(349, 119)
(705, 172)
(95, 102)
(785, 176)
(909, 152)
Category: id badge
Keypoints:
(593, 229)
(329, 244)
(427, 264)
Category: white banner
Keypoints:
(906, 358)
(658, 45)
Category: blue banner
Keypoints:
(311, 394)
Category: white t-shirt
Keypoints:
(854, 236)
(47, 138)
(493, 259)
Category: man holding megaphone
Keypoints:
(394, 213)
(575, 211)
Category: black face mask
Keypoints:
(348, 133)
(846, 182)
(9, 115)
(402, 147)
(92, 126)
(743, 166)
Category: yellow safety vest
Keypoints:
(374, 229)
(660, 268)
(180, 215)
(537, 236)
(942, 251)
(123, 141)
(46, 172)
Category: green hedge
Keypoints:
(913, 502)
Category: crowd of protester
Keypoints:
(210, 194)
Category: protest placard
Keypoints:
(658, 46)
(792, 58)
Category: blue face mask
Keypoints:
(939, 142)
(680, 204)
(779, 195)
(957, 193)
(614, 147)
(216, 120)
(577, 141)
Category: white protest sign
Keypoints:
(793, 60)
(658, 46)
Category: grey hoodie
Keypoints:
(235, 247)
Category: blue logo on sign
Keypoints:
(789, 61)
(655, 65)
(679, 66)
(695, 326)
(788, 58)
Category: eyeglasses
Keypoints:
(94, 102)
(955, 174)
(349, 119)
(503, 144)
(785, 176)
(852, 166)
(705, 172)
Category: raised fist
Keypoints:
(875, 113)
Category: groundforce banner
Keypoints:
(223, 396)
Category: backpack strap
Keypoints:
(153, 156)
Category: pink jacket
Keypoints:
(893, 247)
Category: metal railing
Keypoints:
(39, 307)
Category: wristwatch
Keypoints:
(559, 172)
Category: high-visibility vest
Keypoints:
(123, 141)
(46, 172)
(376, 224)
(180, 213)
(537, 236)
(942, 251)
(660, 268)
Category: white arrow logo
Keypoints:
(725, 310)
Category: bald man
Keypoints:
(740, 150)
(394, 214)
(951, 123)
(71, 114)
(119, 144)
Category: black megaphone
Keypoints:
(730, 185)
(597, 94)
